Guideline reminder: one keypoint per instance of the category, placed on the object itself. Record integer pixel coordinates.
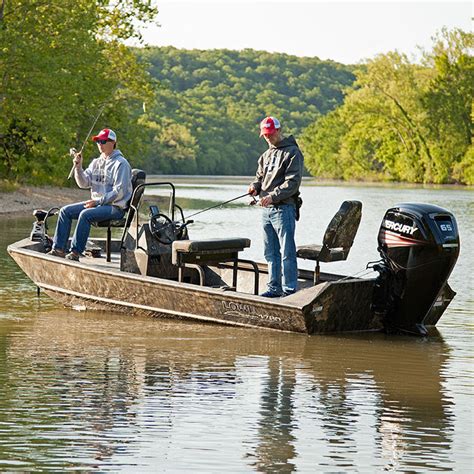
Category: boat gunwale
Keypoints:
(17, 247)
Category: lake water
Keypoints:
(98, 391)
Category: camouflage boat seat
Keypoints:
(338, 238)
(138, 177)
(196, 253)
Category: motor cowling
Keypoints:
(419, 245)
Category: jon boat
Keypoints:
(157, 270)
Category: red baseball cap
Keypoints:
(269, 125)
(105, 134)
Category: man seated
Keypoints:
(109, 178)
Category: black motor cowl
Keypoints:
(419, 245)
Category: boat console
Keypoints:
(160, 247)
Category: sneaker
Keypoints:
(56, 253)
(289, 293)
(270, 294)
(73, 256)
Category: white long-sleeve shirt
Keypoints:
(109, 179)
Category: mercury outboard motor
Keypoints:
(419, 245)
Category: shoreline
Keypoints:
(24, 200)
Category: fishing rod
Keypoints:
(161, 230)
(73, 151)
(218, 205)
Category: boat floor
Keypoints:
(305, 277)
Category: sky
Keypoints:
(343, 31)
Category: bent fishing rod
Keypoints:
(186, 221)
(73, 151)
(217, 205)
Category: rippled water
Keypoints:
(102, 391)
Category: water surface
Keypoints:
(103, 391)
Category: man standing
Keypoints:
(277, 182)
(109, 178)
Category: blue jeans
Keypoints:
(279, 225)
(84, 217)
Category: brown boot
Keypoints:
(57, 253)
(73, 256)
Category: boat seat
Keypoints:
(338, 238)
(195, 253)
(195, 247)
(138, 177)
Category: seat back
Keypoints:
(138, 177)
(342, 229)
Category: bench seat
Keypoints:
(193, 249)
(196, 253)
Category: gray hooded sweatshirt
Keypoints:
(109, 179)
(279, 172)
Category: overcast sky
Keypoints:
(345, 31)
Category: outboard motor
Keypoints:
(419, 245)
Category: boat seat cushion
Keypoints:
(208, 247)
(313, 252)
(111, 223)
(210, 244)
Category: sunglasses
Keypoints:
(102, 142)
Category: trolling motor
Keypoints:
(39, 232)
(419, 246)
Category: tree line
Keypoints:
(402, 121)
(208, 105)
(197, 112)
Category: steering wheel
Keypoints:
(162, 228)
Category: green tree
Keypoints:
(60, 60)
(402, 121)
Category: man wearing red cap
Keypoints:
(109, 178)
(277, 182)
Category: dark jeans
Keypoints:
(84, 217)
(279, 225)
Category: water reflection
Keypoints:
(122, 394)
(104, 391)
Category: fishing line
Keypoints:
(73, 151)
(359, 274)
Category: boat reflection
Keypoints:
(116, 390)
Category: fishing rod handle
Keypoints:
(72, 152)
(71, 172)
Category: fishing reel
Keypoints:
(164, 230)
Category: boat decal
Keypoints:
(403, 228)
(241, 310)
(395, 240)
